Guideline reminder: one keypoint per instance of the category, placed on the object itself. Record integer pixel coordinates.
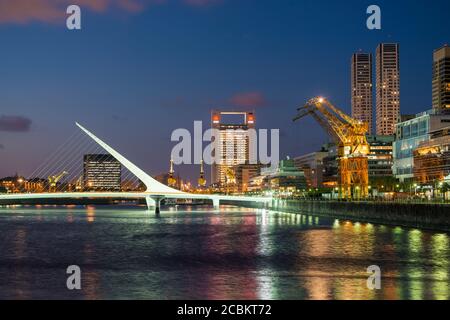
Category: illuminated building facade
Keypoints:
(232, 145)
(18, 184)
(312, 164)
(244, 174)
(441, 79)
(410, 134)
(286, 178)
(387, 88)
(361, 86)
(380, 156)
(101, 172)
(432, 158)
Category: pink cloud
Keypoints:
(51, 11)
(200, 3)
(248, 99)
(24, 11)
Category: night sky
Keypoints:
(139, 69)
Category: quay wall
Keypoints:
(415, 215)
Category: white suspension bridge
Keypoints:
(154, 193)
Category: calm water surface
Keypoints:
(194, 253)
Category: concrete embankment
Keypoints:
(414, 215)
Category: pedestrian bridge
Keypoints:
(154, 194)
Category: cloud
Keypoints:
(25, 11)
(248, 99)
(52, 11)
(200, 3)
(2, 146)
(14, 124)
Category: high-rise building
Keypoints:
(101, 172)
(387, 88)
(233, 145)
(362, 88)
(441, 79)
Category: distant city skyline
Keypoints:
(136, 75)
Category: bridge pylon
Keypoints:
(154, 203)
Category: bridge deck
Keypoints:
(130, 195)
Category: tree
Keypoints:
(445, 188)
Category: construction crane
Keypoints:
(230, 179)
(171, 181)
(230, 176)
(349, 135)
(201, 178)
(53, 180)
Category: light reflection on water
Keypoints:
(195, 253)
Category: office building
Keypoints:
(441, 80)
(380, 156)
(313, 168)
(387, 88)
(432, 158)
(286, 178)
(101, 172)
(233, 145)
(244, 174)
(361, 86)
(410, 134)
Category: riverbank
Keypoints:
(414, 215)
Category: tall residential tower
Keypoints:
(362, 88)
(387, 88)
(441, 79)
(233, 143)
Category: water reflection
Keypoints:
(193, 253)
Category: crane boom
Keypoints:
(349, 134)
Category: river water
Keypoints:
(196, 253)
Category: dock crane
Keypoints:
(349, 135)
(53, 180)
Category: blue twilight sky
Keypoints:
(139, 69)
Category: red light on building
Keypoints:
(216, 118)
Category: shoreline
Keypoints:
(411, 215)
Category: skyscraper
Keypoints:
(101, 172)
(441, 79)
(387, 88)
(233, 144)
(362, 88)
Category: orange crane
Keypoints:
(349, 135)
